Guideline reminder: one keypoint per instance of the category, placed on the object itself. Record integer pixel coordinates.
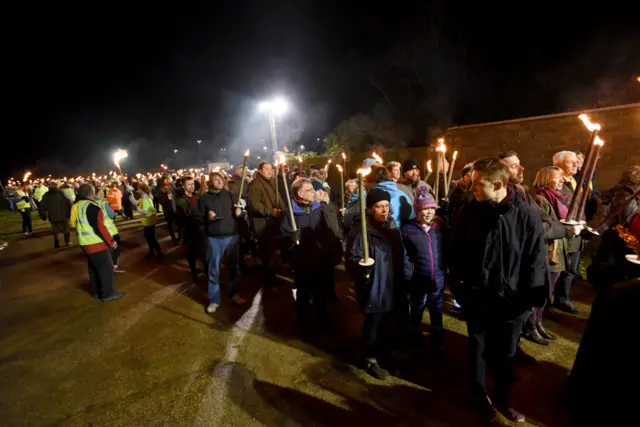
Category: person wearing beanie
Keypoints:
(401, 208)
(426, 238)
(379, 287)
(410, 179)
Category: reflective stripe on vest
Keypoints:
(84, 230)
(23, 205)
(108, 222)
(147, 205)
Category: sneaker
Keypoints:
(212, 308)
(376, 371)
(113, 296)
(118, 270)
(238, 300)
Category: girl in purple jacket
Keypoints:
(424, 238)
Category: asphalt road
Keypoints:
(155, 358)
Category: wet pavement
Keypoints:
(155, 358)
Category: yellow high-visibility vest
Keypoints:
(84, 230)
(108, 222)
(147, 205)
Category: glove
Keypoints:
(295, 235)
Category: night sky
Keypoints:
(90, 77)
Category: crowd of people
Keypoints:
(501, 248)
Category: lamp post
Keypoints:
(273, 108)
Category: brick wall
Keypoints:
(536, 139)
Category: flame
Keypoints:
(429, 166)
(598, 141)
(455, 155)
(378, 158)
(364, 171)
(26, 175)
(339, 167)
(282, 160)
(587, 122)
(246, 153)
(344, 156)
(441, 146)
(119, 155)
(300, 159)
(276, 162)
(328, 161)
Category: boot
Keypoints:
(531, 333)
(543, 332)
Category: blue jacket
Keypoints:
(427, 251)
(378, 292)
(401, 208)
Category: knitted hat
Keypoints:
(423, 200)
(376, 195)
(410, 164)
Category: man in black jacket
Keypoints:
(498, 275)
(216, 207)
(57, 208)
(187, 220)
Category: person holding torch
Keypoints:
(379, 284)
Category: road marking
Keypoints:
(216, 398)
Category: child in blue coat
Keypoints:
(424, 238)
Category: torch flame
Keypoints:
(455, 155)
(246, 153)
(587, 122)
(282, 159)
(364, 171)
(300, 159)
(276, 162)
(598, 141)
(328, 161)
(429, 166)
(339, 167)
(344, 156)
(119, 155)
(26, 175)
(441, 146)
(378, 158)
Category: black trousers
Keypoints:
(61, 227)
(193, 243)
(150, 237)
(26, 221)
(115, 253)
(101, 274)
(376, 335)
(266, 252)
(128, 209)
(316, 284)
(493, 341)
(170, 217)
(563, 285)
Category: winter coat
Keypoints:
(401, 206)
(234, 187)
(261, 201)
(561, 245)
(409, 188)
(427, 250)
(222, 203)
(186, 215)
(609, 265)
(391, 270)
(500, 257)
(54, 206)
(612, 200)
(320, 245)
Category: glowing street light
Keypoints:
(199, 141)
(275, 107)
(175, 151)
(302, 148)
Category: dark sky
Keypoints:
(90, 77)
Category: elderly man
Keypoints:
(313, 250)
(265, 210)
(95, 240)
(410, 179)
(568, 162)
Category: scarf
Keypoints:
(557, 200)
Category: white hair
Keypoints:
(559, 157)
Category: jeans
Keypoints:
(426, 295)
(101, 274)
(26, 221)
(218, 248)
(150, 237)
(494, 341)
(563, 286)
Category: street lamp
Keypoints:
(199, 141)
(275, 107)
(175, 151)
(302, 148)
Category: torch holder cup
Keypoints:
(586, 233)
